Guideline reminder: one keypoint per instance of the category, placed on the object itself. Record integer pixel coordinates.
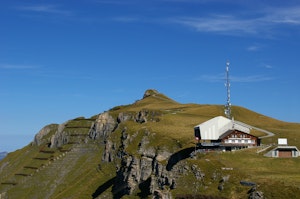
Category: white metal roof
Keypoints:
(217, 126)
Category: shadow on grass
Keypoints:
(103, 187)
(178, 156)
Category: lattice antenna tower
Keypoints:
(227, 85)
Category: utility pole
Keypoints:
(227, 110)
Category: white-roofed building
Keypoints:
(223, 132)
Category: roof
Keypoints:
(286, 148)
(214, 128)
(280, 148)
(226, 133)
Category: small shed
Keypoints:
(284, 152)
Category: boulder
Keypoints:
(122, 117)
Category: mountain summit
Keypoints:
(150, 92)
(146, 150)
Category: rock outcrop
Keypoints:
(108, 154)
(255, 194)
(60, 137)
(141, 170)
(123, 117)
(146, 115)
(144, 173)
(40, 137)
(103, 126)
(150, 92)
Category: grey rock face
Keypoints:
(146, 168)
(137, 170)
(144, 116)
(60, 137)
(150, 92)
(134, 171)
(39, 137)
(103, 126)
(142, 170)
(122, 117)
(143, 148)
(108, 155)
(141, 117)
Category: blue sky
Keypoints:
(63, 59)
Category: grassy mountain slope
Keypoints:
(76, 168)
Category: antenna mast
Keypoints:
(227, 85)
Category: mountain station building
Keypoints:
(224, 134)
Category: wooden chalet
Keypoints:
(235, 139)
